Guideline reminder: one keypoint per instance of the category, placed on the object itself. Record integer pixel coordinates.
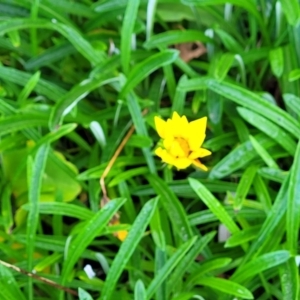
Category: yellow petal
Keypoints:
(176, 150)
(168, 141)
(199, 153)
(175, 117)
(160, 126)
(170, 130)
(179, 125)
(165, 156)
(182, 163)
(198, 164)
(196, 133)
(184, 127)
(122, 234)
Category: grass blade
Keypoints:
(172, 206)
(91, 229)
(247, 99)
(177, 275)
(169, 266)
(213, 204)
(35, 169)
(293, 206)
(263, 153)
(260, 264)
(127, 248)
(226, 286)
(270, 129)
(244, 186)
(173, 37)
(289, 279)
(140, 71)
(127, 31)
(62, 209)
(140, 291)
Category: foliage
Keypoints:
(74, 77)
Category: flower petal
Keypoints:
(179, 125)
(121, 235)
(176, 150)
(175, 117)
(168, 141)
(196, 133)
(184, 128)
(165, 156)
(182, 163)
(169, 130)
(199, 153)
(160, 126)
(198, 164)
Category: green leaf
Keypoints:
(172, 206)
(223, 66)
(178, 274)
(292, 102)
(83, 295)
(206, 268)
(128, 174)
(157, 231)
(289, 279)
(174, 37)
(139, 141)
(243, 236)
(291, 10)
(248, 5)
(9, 288)
(34, 176)
(129, 20)
(269, 225)
(260, 264)
(293, 205)
(21, 121)
(213, 204)
(91, 229)
(69, 100)
(179, 98)
(127, 248)
(294, 75)
(273, 174)
(270, 129)
(169, 266)
(277, 61)
(250, 100)
(140, 291)
(263, 153)
(28, 88)
(226, 286)
(244, 186)
(82, 45)
(143, 69)
(62, 209)
(44, 87)
(138, 121)
(7, 209)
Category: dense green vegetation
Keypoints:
(75, 76)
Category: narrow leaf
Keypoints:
(127, 248)
(91, 229)
(213, 204)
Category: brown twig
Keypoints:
(105, 198)
(43, 279)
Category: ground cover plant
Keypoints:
(88, 210)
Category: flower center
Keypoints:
(183, 145)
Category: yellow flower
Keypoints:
(121, 234)
(182, 141)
